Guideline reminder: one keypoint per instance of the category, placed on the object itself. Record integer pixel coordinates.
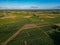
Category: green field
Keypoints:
(37, 27)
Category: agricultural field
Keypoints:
(29, 27)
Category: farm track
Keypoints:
(27, 26)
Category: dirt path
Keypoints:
(27, 26)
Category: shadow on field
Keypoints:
(56, 37)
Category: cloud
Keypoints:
(56, 7)
(34, 7)
(29, 7)
(3, 8)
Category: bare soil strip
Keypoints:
(44, 16)
(9, 17)
(27, 26)
(27, 16)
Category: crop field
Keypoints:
(29, 27)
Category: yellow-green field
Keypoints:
(29, 27)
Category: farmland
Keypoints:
(29, 27)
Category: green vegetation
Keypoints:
(47, 20)
(32, 37)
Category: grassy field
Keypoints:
(45, 32)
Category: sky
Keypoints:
(29, 4)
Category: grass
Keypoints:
(9, 26)
(33, 37)
(7, 30)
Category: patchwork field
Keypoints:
(29, 27)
